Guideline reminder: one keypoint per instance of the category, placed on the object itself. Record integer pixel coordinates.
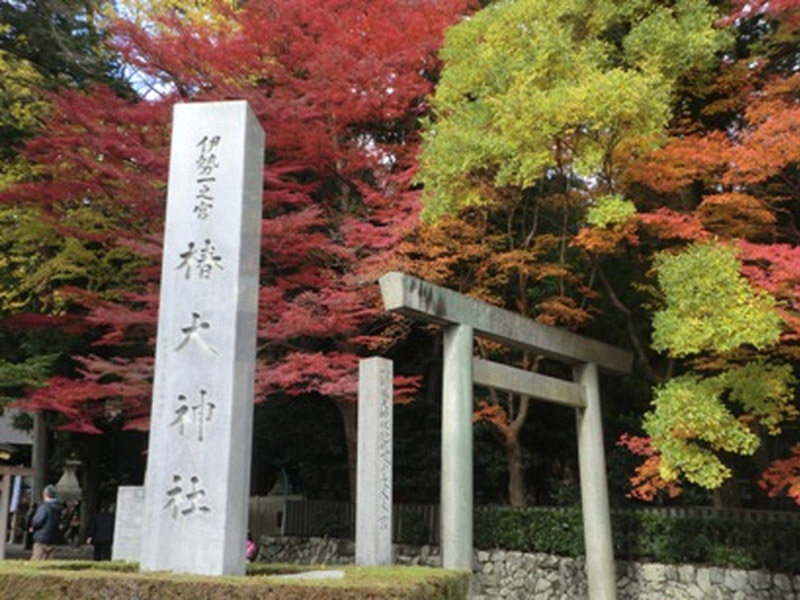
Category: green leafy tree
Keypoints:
(533, 90)
(63, 39)
(709, 305)
(46, 45)
(539, 107)
(21, 105)
(715, 237)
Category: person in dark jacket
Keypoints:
(101, 533)
(45, 525)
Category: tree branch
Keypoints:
(634, 337)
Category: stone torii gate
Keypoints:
(463, 318)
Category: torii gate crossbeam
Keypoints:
(463, 318)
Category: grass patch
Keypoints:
(86, 580)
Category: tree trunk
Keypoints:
(517, 495)
(348, 411)
(90, 482)
(40, 455)
(727, 495)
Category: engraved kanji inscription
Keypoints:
(202, 261)
(206, 164)
(207, 161)
(192, 419)
(194, 333)
(385, 450)
(185, 500)
(205, 201)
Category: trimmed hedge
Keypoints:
(647, 536)
(78, 580)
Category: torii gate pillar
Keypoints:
(456, 482)
(462, 319)
(600, 573)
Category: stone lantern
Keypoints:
(68, 488)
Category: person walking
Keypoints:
(45, 525)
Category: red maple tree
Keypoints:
(338, 87)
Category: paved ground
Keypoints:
(333, 574)
(17, 552)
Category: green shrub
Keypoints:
(558, 531)
(740, 558)
(84, 581)
(644, 535)
(413, 528)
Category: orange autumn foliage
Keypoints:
(682, 161)
(784, 475)
(494, 414)
(647, 483)
(668, 224)
(607, 241)
(736, 214)
(768, 148)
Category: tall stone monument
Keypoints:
(198, 468)
(374, 480)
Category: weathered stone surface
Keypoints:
(716, 575)
(128, 523)
(374, 481)
(782, 582)
(686, 573)
(759, 580)
(594, 487)
(736, 579)
(422, 300)
(456, 479)
(518, 381)
(713, 594)
(198, 473)
(704, 579)
(653, 573)
(695, 592)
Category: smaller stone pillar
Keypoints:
(128, 522)
(456, 494)
(5, 498)
(374, 479)
(600, 573)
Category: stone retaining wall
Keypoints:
(535, 576)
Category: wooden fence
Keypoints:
(411, 523)
(742, 514)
